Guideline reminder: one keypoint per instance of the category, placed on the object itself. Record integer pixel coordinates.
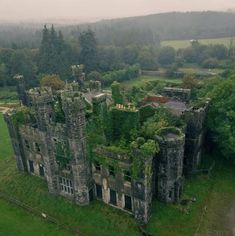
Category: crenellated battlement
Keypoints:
(40, 95)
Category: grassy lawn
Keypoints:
(15, 221)
(216, 192)
(177, 44)
(140, 81)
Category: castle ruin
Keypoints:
(54, 136)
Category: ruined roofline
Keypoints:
(170, 135)
(176, 89)
(199, 108)
(127, 108)
(112, 152)
(40, 90)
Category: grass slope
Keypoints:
(15, 221)
(217, 192)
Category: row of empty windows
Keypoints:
(36, 146)
(113, 197)
(126, 173)
(66, 185)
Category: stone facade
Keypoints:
(195, 132)
(169, 164)
(58, 152)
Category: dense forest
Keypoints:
(165, 26)
(138, 30)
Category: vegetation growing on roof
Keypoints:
(22, 115)
(162, 118)
(116, 93)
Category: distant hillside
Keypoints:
(148, 29)
(167, 26)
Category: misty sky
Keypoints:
(44, 9)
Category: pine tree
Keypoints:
(88, 53)
(44, 52)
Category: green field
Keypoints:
(177, 44)
(142, 80)
(217, 192)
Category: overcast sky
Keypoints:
(72, 9)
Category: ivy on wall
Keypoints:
(63, 154)
(22, 115)
(123, 121)
(116, 93)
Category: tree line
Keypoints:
(142, 30)
(56, 55)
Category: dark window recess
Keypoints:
(27, 144)
(128, 204)
(99, 191)
(127, 176)
(113, 197)
(37, 147)
(31, 167)
(91, 195)
(111, 171)
(170, 194)
(97, 166)
(41, 170)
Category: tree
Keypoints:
(55, 56)
(219, 51)
(210, 63)
(95, 75)
(221, 116)
(147, 60)
(52, 81)
(88, 53)
(166, 56)
(189, 82)
(3, 75)
(44, 51)
(21, 63)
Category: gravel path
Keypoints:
(4, 109)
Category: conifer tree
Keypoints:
(88, 53)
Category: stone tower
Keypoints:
(16, 142)
(195, 118)
(78, 74)
(41, 100)
(142, 190)
(21, 89)
(169, 164)
(74, 109)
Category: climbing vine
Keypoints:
(63, 154)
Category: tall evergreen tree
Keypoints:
(44, 52)
(88, 51)
(54, 55)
